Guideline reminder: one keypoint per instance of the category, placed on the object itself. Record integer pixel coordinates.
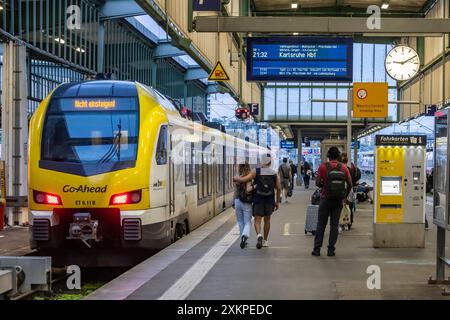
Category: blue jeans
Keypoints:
(244, 216)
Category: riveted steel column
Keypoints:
(15, 127)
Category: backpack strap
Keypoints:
(328, 166)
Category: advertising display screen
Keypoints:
(391, 185)
(300, 59)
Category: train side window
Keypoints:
(190, 166)
(161, 149)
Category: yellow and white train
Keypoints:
(114, 165)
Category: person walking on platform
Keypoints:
(264, 202)
(306, 174)
(336, 183)
(355, 173)
(243, 204)
(285, 173)
(294, 172)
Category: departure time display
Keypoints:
(299, 59)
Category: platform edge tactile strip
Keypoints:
(127, 283)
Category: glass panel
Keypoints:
(91, 136)
(294, 104)
(330, 107)
(161, 149)
(342, 107)
(269, 104)
(281, 108)
(380, 74)
(357, 63)
(318, 107)
(305, 104)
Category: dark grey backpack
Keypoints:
(336, 182)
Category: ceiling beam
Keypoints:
(320, 25)
(339, 10)
(120, 9)
(428, 6)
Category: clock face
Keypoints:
(402, 63)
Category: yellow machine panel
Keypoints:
(390, 163)
(399, 208)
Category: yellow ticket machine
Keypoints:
(399, 191)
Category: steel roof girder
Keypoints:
(195, 73)
(320, 25)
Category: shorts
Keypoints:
(285, 184)
(263, 209)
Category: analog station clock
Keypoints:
(402, 63)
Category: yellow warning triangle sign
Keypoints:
(218, 73)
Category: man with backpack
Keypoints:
(285, 173)
(264, 202)
(336, 183)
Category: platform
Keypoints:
(209, 264)
(15, 241)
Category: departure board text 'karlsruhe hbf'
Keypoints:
(299, 61)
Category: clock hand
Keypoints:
(408, 60)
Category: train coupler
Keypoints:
(84, 229)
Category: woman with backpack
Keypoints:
(243, 204)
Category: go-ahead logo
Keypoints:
(84, 189)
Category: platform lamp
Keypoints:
(385, 5)
(294, 4)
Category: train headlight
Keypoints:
(46, 198)
(131, 197)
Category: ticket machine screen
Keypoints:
(391, 185)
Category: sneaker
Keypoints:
(340, 229)
(243, 241)
(316, 253)
(259, 242)
(265, 244)
(331, 253)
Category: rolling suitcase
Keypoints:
(312, 216)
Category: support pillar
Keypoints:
(101, 48)
(15, 129)
(349, 123)
(300, 156)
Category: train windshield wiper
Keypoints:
(114, 150)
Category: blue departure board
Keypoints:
(300, 59)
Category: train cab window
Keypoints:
(161, 149)
(88, 136)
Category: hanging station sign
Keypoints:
(295, 59)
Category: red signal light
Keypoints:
(131, 197)
(46, 198)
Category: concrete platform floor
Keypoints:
(209, 264)
(14, 241)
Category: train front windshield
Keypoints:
(90, 136)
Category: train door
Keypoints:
(172, 177)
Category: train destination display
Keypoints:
(300, 59)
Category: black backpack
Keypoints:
(336, 182)
(243, 194)
(265, 185)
